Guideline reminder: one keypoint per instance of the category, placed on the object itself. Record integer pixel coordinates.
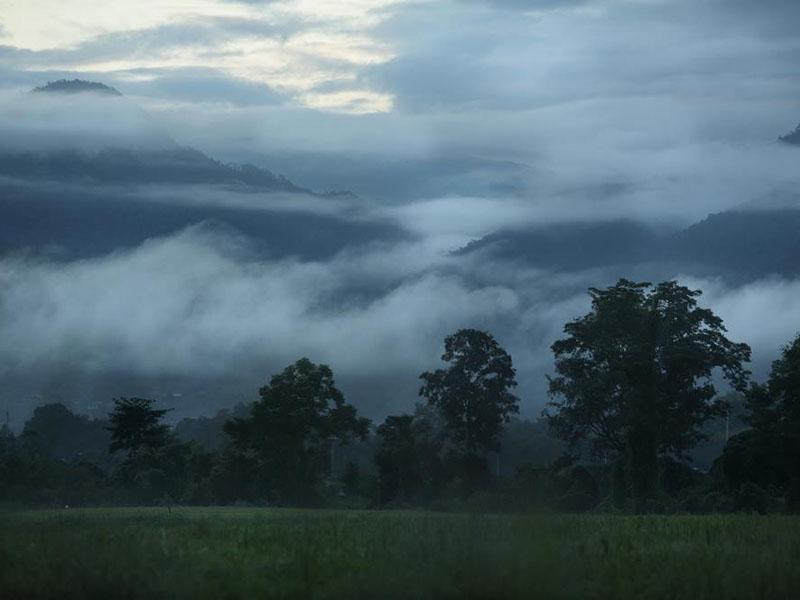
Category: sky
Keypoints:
(450, 119)
(412, 99)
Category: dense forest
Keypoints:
(634, 409)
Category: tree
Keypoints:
(783, 387)
(473, 393)
(409, 456)
(64, 435)
(395, 458)
(11, 467)
(155, 468)
(351, 479)
(752, 457)
(291, 429)
(135, 425)
(768, 454)
(233, 476)
(209, 431)
(633, 377)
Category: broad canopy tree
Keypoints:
(634, 377)
(473, 393)
(291, 428)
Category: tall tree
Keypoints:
(634, 376)
(291, 428)
(473, 392)
(135, 425)
(156, 466)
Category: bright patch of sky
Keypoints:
(293, 47)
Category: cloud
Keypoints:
(625, 49)
(533, 5)
(765, 314)
(196, 85)
(459, 80)
(679, 119)
(198, 306)
(38, 121)
(189, 43)
(202, 307)
(289, 47)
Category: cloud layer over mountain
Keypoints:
(452, 121)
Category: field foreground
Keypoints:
(251, 553)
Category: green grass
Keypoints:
(252, 553)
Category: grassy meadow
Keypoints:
(273, 553)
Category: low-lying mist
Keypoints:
(202, 317)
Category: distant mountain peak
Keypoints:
(77, 86)
(792, 138)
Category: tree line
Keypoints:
(632, 394)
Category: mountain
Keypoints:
(127, 166)
(85, 172)
(76, 86)
(121, 144)
(572, 246)
(75, 221)
(742, 244)
(738, 245)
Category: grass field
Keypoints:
(251, 553)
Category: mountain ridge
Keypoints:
(738, 244)
(76, 86)
(109, 164)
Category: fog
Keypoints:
(202, 305)
(37, 122)
(449, 121)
